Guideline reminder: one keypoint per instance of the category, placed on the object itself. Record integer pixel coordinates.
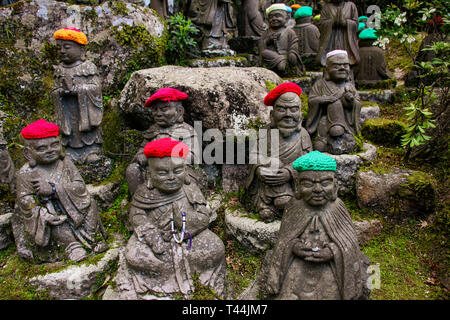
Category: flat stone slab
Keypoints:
(369, 112)
(376, 95)
(218, 62)
(77, 281)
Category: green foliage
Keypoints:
(270, 85)
(181, 32)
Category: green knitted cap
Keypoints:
(315, 161)
(304, 11)
(368, 34)
(362, 18)
(361, 26)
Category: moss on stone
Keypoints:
(383, 131)
(421, 187)
(382, 84)
(118, 7)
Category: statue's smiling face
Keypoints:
(167, 174)
(44, 151)
(277, 18)
(69, 51)
(317, 187)
(338, 67)
(165, 113)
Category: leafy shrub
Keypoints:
(181, 40)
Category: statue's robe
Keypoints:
(344, 277)
(278, 46)
(213, 14)
(372, 66)
(168, 267)
(251, 22)
(308, 38)
(290, 148)
(79, 115)
(338, 38)
(349, 118)
(72, 200)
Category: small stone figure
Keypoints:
(338, 25)
(54, 210)
(7, 171)
(251, 22)
(78, 98)
(372, 66)
(171, 241)
(278, 46)
(308, 34)
(317, 254)
(270, 181)
(167, 111)
(334, 107)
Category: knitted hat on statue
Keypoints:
(273, 95)
(166, 147)
(361, 26)
(314, 161)
(71, 34)
(304, 11)
(368, 34)
(363, 18)
(166, 94)
(40, 129)
(277, 6)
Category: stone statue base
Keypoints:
(213, 53)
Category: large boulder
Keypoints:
(216, 95)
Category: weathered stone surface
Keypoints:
(76, 282)
(44, 17)
(367, 229)
(104, 194)
(369, 112)
(234, 176)
(218, 62)
(307, 81)
(378, 96)
(393, 194)
(218, 53)
(215, 94)
(5, 230)
(96, 172)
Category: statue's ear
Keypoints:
(27, 153)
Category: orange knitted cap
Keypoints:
(71, 34)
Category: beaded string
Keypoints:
(183, 230)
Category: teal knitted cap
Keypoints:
(362, 18)
(368, 34)
(304, 11)
(315, 161)
(361, 26)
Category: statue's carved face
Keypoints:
(164, 113)
(338, 68)
(317, 188)
(167, 174)
(43, 151)
(277, 19)
(69, 51)
(287, 113)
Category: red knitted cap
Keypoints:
(273, 95)
(166, 147)
(166, 94)
(40, 129)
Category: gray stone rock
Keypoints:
(369, 112)
(367, 229)
(218, 53)
(218, 62)
(217, 96)
(5, 230)
(96, 172)
(104, 194)
(78, 281)
(377, 96)
(234, 176)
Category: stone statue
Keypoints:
(334, 107)
(167, 111)
(308, 34)
(372, 66)
(278, 46)
(171, 241)
(270, 182)
(251, 22)
(78, 98)
(317, 254)
(7, 171)
(215, 17)
(338, 25)
(54, 210)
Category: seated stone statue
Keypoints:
(171, 241)
(54, 210)
(278, 46)
(372, 65)
(308, 34)
(167, 112)
(77, 97)
(334, 107)
(317, 254)
(270, 182)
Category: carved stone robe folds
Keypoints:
(73, 201)
(337, 37)
(79, 115)
(344, 277)
(163, 265)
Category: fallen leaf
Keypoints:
(423, 224)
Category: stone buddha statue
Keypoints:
(278, 46)
(167, 112)
(308, 34)
(77, 97)
(171, 241)
(270, 182)
(54, 211)
(334, 107)
(317, 254)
